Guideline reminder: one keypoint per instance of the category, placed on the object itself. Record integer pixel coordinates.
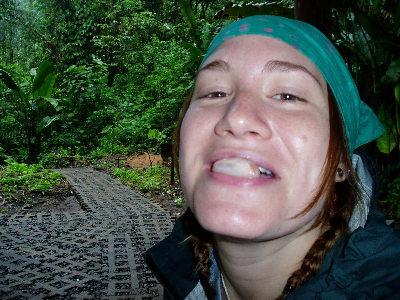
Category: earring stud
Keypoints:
(340, 172)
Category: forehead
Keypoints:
(254, 51)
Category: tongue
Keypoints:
(238, 167)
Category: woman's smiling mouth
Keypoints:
(240, 167)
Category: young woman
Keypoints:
(278, 202)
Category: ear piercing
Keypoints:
(340, 172)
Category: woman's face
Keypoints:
(254, 140)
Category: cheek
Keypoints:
(310, 138)
(194, 138)
(197, 129)
(190, 133)
(307, 146)
(186, 144)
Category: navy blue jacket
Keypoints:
(365, 265)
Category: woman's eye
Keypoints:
(215, 95)
(287, 97)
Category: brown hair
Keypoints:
(333, 219)
(340, 198)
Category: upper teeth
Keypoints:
(240, 167)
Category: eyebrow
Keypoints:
(217, 65)
(285, 66)
(270, 66)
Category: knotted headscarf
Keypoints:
(360, 122)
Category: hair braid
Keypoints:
(337, 226)
(313, 259)
(339, 203)
(201, 241)
(202, 253)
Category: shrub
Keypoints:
(62, 158)
(28, 178)
(153, 178)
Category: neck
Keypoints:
(259, 270)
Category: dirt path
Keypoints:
(92, 253)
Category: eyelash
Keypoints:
(293, 97)
(216, 94)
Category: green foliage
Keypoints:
(157, 136)
(11, 133)
(190, 18)
(18, 31)
(3, 155)
(33, 107)
(87, 107)
(367, 34)
(241, 9)
(390, 139)
(125, 66)
(393, 197)
(150, 102)
(153, 178)
(389, 114)
(29, 178)
(179, 201)
(44, 80)
(122, 72)
(9, 81)
(62, 158)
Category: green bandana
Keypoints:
(361, 124)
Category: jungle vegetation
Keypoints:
(98, 78)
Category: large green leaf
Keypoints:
(386, 143)
(194, 52)
(393, 72)
(46, 89)
(46, 121)
(378, 34)
(44, 80)
(54, 102)
(397, 93)
(390, 139)
(9, 81)
(195, 55)
(188, 15)
(12, 84)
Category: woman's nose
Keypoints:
(244, 116)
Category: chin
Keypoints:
(233, 222)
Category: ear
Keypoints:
(341, 173)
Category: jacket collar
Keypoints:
(173, 262)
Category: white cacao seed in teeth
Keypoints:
(239, 167)
(265, 172)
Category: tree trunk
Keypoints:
(34, 145)
(315, 12)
